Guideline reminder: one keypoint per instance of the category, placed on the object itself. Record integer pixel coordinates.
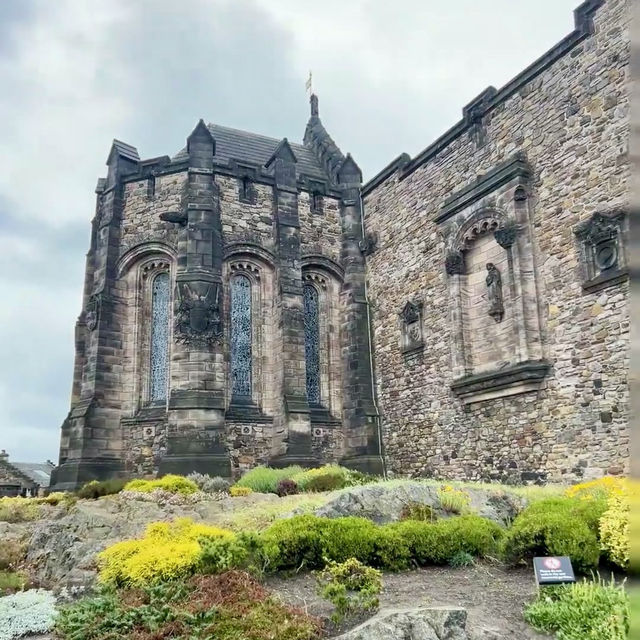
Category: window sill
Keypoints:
(515, 379)
(605, 279)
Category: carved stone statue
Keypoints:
(494, 286)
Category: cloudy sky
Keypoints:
(391, 77)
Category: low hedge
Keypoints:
(557, 526)
(310, 542)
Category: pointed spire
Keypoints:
(349, 171)
(201, 134)
(313, 100)
(283, 152)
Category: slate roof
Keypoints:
(126, 150)
(39, 473)
(256, 149)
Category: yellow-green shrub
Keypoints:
(171, 483)
(614, 530)
(238, 492)
(595, 489)
(613, 525)
(19, 509)
(454, 500)
(167, 551)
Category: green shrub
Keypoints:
(589, 511)
(351, 586)
(418, 511)
(437, 543)
(171, 483)
(461, 559)
(294, 543)
(454, 500)
(309, 541)
(359, 479)
(582, 611)
(327, 478)
(265, 479)
(351, 537)
(222, 554)
(96, 489)
(558, 526)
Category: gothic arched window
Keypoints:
(159, 355)
(241, 338)
(312, 343)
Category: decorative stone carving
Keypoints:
(494, 286)
(602, 249)
(454, 263)
(92, 313)
(198, 318)
(506, 235)
(369, 243)
(411, 316)
(520, 194)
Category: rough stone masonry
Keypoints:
(464, 314)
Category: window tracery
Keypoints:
(312, 342)
(159, 343)
(241, 338)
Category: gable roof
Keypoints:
(256, 149)
(39, 473)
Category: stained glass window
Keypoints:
(159, 337)
(312, 343)
(241, 338)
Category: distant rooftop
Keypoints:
(38, 472)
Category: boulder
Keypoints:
(385, 502)
(425, 623)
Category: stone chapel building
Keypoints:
(463, 314)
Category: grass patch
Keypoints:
(11, 581)
(583, 611)
(265, 479)
(229, 606)
(260, 515)
(29, 509)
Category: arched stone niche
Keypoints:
(496, 346)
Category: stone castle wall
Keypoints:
(570, 124)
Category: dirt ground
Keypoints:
(494, 597)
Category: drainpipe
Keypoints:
(374, 395)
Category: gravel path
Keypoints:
(494, 597)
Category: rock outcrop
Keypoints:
(426, 623)
(386, 502)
